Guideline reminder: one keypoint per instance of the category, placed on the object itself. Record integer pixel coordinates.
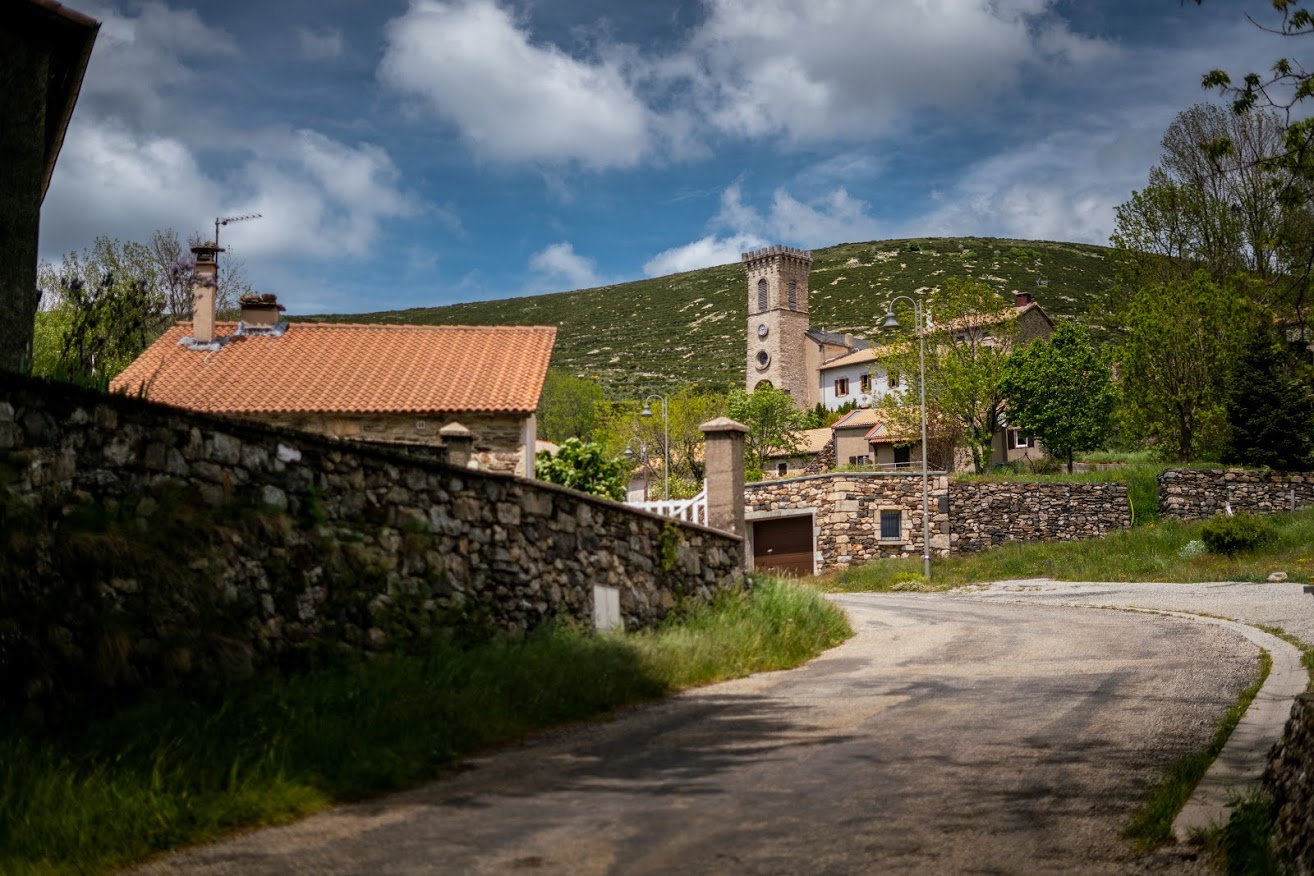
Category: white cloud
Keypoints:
(471, 64)
(320, 45)
(560, 266)
(702, 253)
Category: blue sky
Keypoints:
(408, 153)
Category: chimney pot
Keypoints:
(1022, 299)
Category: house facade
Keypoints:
(391, 384)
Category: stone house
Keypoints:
(391, 384)
(44, 50)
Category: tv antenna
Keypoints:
(224, 220)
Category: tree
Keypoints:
(585, 467)
(1061, 391)
(966, 348)
(568, 407)
(1270, 409)
(624, 427)
(774, 423)
(1179, 341)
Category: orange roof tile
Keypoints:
(337, 368)
(858, 418)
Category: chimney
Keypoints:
(1022, 299)
(848, 341)
(205, 286)
(260, 311)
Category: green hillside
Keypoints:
(689, 328)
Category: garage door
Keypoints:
(783, 544)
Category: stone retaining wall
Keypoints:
(179, 543)
(985, 514)
(965, 515)
(1197, 494)
(1290, 779)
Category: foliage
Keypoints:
(585, 467)
(48, 339)
(1270, 408)
(1060, 391)
(1178, 346)
(1233, 534)
(197, 764)
(965, 356)
(820, 416)
(774, 423)
(568, 407)
(688, 329)
(623, 427)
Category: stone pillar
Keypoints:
(459, 442)
(725, 475)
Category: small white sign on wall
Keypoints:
(606, 608)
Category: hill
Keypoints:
(655, 334)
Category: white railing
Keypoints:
(689, 510)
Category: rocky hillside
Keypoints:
(689, 328)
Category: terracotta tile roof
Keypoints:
(337, 368)
(861, 356)
(814, 441)
(882, 434)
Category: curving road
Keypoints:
(950, 735)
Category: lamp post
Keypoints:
(643, 451)
(666, 442)
(919, 326)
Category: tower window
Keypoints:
(763, 358)
(761, 294)
(793, 295)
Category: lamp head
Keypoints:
(647, 410)
(890, 321)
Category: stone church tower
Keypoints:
(778, 319)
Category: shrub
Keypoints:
(1231, 535)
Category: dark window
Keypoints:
(793, 295)
(864, 383)
(891, 525)
(1016, 440)
(761, 294)
(782, 469)
(763, 358)
(892, 379)
(902, 455)
(857, 460)
(842, 386)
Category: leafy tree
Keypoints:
(623, 426)
(568, 407)
(774, 423)
(1270, 408)
(109, 325)
(1061, 391)
(585, 467)
(966, 349)
(1179, 341)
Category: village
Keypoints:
(958, 560)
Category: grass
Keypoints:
(1242, 846)
(184, 768)
(688, 329)
(1153, 552)
(1306, 650)
(1153, 822)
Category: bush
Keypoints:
(1232, 535)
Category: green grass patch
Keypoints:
(1306, 650)
(1243, 847)
(1153, 822)
(1153, 552)
(183, 768)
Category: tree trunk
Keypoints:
(23, 81)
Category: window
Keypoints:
(761, 294)
(891, 526)
(1018, 441)
(864, 383)
(892, 378)
(857, 460)
(842, 386)
(782, 469)
(763, 359)
(902, 455)
(793, 295)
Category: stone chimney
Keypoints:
(848, 341)
(1022, 299)
(260, 310)
(205, 287)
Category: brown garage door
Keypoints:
(783, 544)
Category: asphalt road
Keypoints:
(949, 736)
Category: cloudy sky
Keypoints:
(407, 153)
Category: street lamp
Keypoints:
(919, 326)
(629, 457)
(666, 442)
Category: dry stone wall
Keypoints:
(1197, 494)
(181, 543)
(1290, 779)
(965, 515)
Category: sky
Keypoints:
(413, 153)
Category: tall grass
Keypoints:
(1153, 552)
(185, 768)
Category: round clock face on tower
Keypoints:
(763, 331)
